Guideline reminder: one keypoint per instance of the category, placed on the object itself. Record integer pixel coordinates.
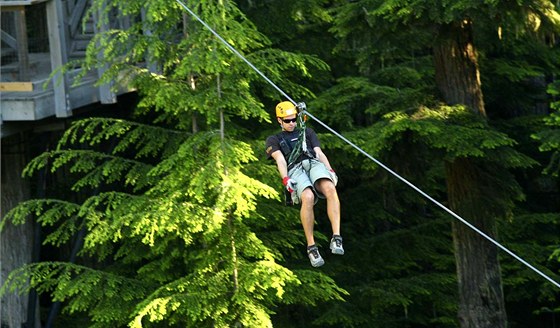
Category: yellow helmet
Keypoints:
(285, 108)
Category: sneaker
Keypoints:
(314, 256)
(336, 245)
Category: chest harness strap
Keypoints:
(300, 147)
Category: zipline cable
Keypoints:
(410, 184)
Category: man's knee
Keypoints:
(307, 196)
(327, 187)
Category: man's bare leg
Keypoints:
(327, 188)
(307, 215)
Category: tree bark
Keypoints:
(16, 242)
(481, 300)
(456, 67)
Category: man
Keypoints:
(307, 175)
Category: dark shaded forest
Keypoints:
(164, 212)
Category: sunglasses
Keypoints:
(291, 120)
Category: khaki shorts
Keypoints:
(306, 173)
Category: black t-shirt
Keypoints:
(273, 143)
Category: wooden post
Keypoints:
(106, 95)
(22, 43)
(59, 56)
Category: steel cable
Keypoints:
(497, 244)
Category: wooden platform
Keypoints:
(28, 89)
(16, 86)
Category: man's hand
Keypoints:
(289, 183)
(334, 177)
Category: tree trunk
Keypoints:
(478, 270)
(481, 301)
(16, 242)
(456, 67)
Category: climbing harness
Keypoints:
(293, 153)
(300, 148)
(301, 145)
(303, 112)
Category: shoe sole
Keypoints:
(318, 263)
(337, 251)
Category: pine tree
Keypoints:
(550, 137)
(179, 228)
(477, 157)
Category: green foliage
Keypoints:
(87, 161)
(186, 237)
(550, 137)
(49, 212)
(185, 229)
(526, 292)
(398, 120)
(401, 113)
(183, 215)
(144, 140)
(186, 62)
(109, 295)
(376, 40)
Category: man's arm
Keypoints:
(280, 163)
(290, 184)
(322, 157)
